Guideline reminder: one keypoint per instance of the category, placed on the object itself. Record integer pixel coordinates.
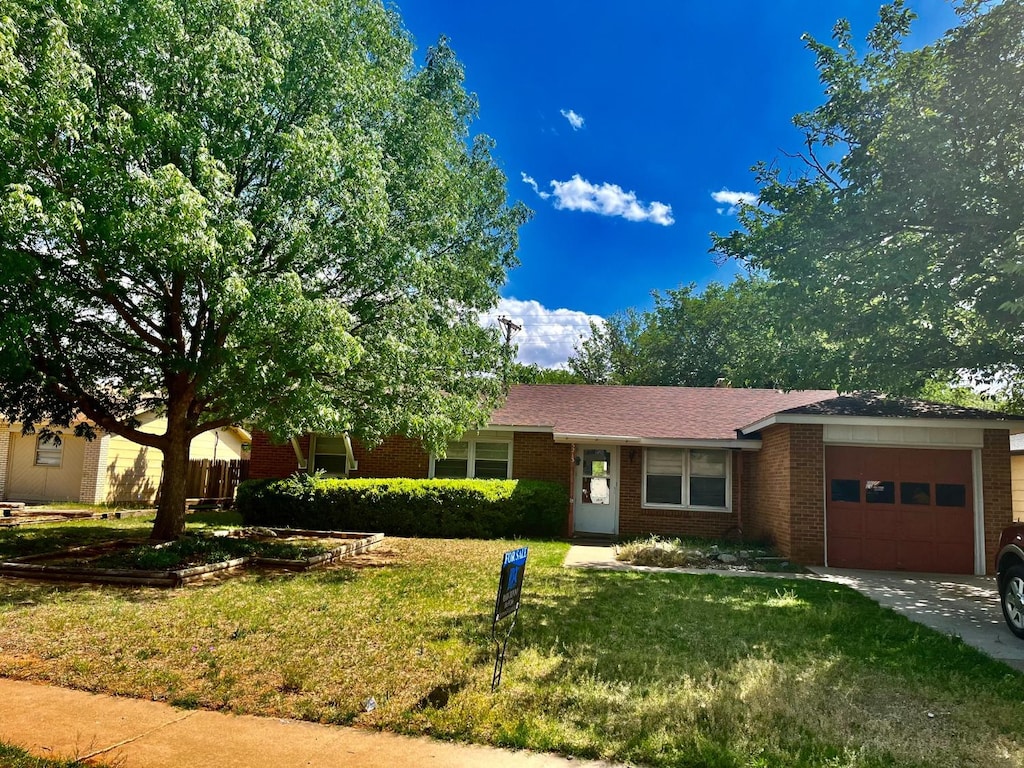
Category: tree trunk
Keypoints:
(170, 513)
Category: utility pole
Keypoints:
(510, 330)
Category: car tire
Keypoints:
(1011, 598)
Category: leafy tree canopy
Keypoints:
(901, 241)
(252, 211)
(738, 334)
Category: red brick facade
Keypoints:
(995, 473)
(778, 492)
(636, 520)
(785, 491)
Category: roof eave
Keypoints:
(1014, 427)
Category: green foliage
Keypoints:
(901, 242)
(402, 507)
(740, 334)
(520, 373)
(243, 212)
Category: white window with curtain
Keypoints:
(687, 478)
(480, 459)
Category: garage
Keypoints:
(906, 509)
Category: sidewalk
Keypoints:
(134, 733)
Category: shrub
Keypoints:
(404, 507)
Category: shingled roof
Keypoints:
(657, 413)
(874, 404)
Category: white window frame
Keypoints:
(685, 480)
(315, 452)
(51, 447)
(471, 456)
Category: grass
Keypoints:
(15, 757)
(658, 669)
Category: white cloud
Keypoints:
(733, 200)
(533, 183)
(548, 335)
(576, 121)
(578, 194)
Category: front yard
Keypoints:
(659, 669)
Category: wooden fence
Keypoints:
(208, 479)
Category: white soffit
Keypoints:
(904, 434)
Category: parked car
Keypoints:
(1010, 577)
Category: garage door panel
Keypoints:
(915, 509)
(847, 522)
(845, 552)
(877, 555)
(880, 523)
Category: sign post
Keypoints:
(510, 587)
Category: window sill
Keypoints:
(680, 508)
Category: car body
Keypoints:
(1010, 577)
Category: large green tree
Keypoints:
(232, 211)
(899, 236)
(739, 333)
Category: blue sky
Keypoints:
(620, 124)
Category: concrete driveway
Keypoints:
(967, 606)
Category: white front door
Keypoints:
(597, 490)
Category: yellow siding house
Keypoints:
(109, 469)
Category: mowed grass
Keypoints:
(656, 669)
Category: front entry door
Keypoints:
(597, 491)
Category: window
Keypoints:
(49, 450)
(481, 459)
(846, 490)
(950, 495)
(330, 455)
(681, 477)
(915, 493)
(879, 492)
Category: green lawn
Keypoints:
(659, 669)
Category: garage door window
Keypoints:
(950, 495)
(846, 490)
(915, 493)
(879, 491)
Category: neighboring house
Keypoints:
(108, 469)
(859, 481)
(1017, 474)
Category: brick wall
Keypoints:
(5, 445)
(272, 460)
(766, 477)
(807, 494)
(634, 520)
(536, 456)
(93, 488)
(996, 490)
(394, 457)
(784, 487)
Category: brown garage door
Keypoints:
(899, 509)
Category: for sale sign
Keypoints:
(511, 585)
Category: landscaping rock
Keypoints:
(726, 558)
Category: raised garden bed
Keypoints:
(171, 564)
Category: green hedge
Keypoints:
(401, 507)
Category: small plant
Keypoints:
(656, 551)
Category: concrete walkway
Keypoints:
(963, 606)
(134, 733)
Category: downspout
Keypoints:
(571, 523)
(299, 458)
